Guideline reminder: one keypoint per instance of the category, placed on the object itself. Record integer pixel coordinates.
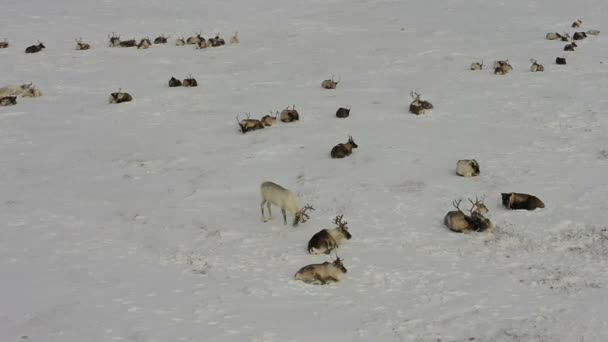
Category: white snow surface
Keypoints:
(141, 221)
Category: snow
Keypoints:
(141, 222)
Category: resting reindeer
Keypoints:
(35, 48)
(248, 124)
(25, 90)
(269, 120)
(330, 84)
(460, 222)
(273, 193)
(289, 115)
(502, 67)
(8, 101)
(4, 44)
(161, 39)
(514, 201)
(321, 274)
(536, 67)
(144, 43)
(180, 41)
(195, 39)
(476, 66)
(343, 112)
(343, 150)
(419, 106)
(327, 240)
(467, 168)
(120, 97)
(82, 46)
(235, 39)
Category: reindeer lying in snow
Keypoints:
(321, 274)
(273, 193)
(460, 222)
(514, 201)
(327, 240)
(25, 90)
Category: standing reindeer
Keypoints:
(248, 124)
(321, 274)
(273, 193)
(343, 150)
(35, 48)
(327, 240)
(82, 46)
(419, 106)
(458, 221)
(330, 84)
(289, 115)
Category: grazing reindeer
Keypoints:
(174, 82)
(330, 84)
(248, 124)
(35, 48)
(180, 41)
(343, 150)
(273, 193)
(570, 47)
(190, 82)
(161, 39)
(591, 32)
(343, 112)
(235, 38)
(502, 67)
(8, 101)
(269, 120)
(536, 67)
(195, 39)
(514, 201)
(577, 23)
(327, 240)
(82, 46)
(289, 115)
(560, 60)
(120, 97)
(467, 168)
(476, 66)
(321, 274)
(458, 221)
(579, 36)
(144, 43)
(553, 36)
(419, 106)
(4, 44)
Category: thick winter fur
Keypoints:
(343, 150)
(120, 97)
(579, 36)
(190, 82)
(174, 82)
(35, 48)
(195, 39)
(514, 201)
(202, 44)
(248, 125)
(8, 101)
(82, 46)
(536, 67)
(321, 274)
(327, 240)
(235, 38)
(560, 60)
(467, 168)
(128, 43)
(216, 41)
(330, 84)
(273, 193)
(289, 115)
(343, 112)
(502, 67)
(144, 43)
(419, 106)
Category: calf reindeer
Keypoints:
(269, 120)
(343, 150)
(248, 125)
(180, 41)
(459, 222)
(330, 84)
(476, 66)
(321, 274)
(502, 67)
(535, 67)
(419, 106)
(289, 115)
(235, 38)
(161, 39)
(4, 44)
(174, 82)
(144, 43)
(35, 48)
(514, 201)
(8, 101)
(327, 240)
(467, 168)
(82, 46)
(273, 193)
(190, 82)
(120, 97)
(343, 112)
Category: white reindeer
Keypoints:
(273, 193)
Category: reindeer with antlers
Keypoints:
(248, 124)
(269, 120)
(144, 43)
(195, 39)
(120, 97)
(342, 150)
(458, 221)
(82, 46)
(273, 193)
(35, 48)
(419, 106)
(330, 84)
(327, 240)
(321, 274)
(161, 39)
(343, 112)
(536, 67)
(289, 115)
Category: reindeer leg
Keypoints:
(284, 216)
(262, 207)
(269, 212)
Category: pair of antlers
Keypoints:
(477, 202)
(304, 213)
(338, 221)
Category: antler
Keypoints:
(456, 205)
(304, 216)
(338, 221)
(416, 97)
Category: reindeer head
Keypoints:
(352, 142)
(478, 206)
(302, 215)
(114, 39)
(25, 86)
(342, 226)
(338, 264)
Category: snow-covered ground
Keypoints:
(141, 221)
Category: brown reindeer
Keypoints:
(35, 48)
(161, 39)
(321, 274)
(536, 67)
(120, 97)
(82, 46)
(4, 44)
(458, 221)
(269, 120)
(248, 124)
(195, 39)
(419, 106)
(330, 84)
(289, 115)
(8, 101)
(144, 43)
(327, 240)
(343, 150)
(514, 201)
(502, 67)
(343, 112)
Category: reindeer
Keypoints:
(419, 106)
(8, 101)
(114, 40)
(235, 38)
(565, 37)
(570, 47)
(514, 201)
(330, 84)
(248, 124)
(577, 23)
(273, 193)
(579, 36)
(590, 32)
(4, 44)
(195, 39)
(174, 82)
(161, 39)
(467, 168)
(216, 41)
(269, 120)
(502, 67)
(82, 46)
(35, 48)
(190, 82)
(458, 221)
(25, 90)
(31, 91)
(289, 115)
(553, 36)
(180, 41)
(321, 274)
(144, 43)
(477, 66)
(343, 150)
(560, 60)
(202, 44)
(120, 97)
(535, 67)
(343, 112)
(327, 240)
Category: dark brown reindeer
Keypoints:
(4, 44)
(419, 106)
(174, 82)
(248, 125)
(269, 120)
(35, 48)
(343, 150)
(120, 97)
(161, 39)
(514, 201)
(8, 101)
(327, 240)
(190, 82)
(343, 112)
